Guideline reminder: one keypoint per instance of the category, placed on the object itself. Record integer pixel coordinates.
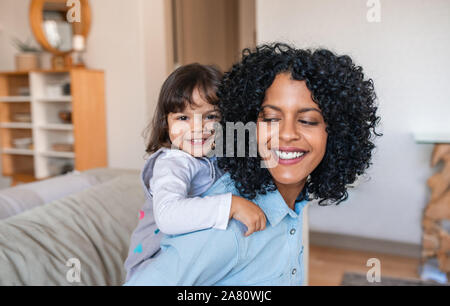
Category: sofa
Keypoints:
(73, 230)
(69, 230)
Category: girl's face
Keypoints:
(291, 131)
(192, 130)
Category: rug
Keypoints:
(357, 279)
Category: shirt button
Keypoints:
(294, 271)
(292, 232)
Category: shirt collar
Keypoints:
(275, 208)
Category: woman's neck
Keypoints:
(290, 192)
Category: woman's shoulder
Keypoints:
(224, 184)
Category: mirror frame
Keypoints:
(36, 20)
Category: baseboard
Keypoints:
(365, 244)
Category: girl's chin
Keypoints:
(197, 151)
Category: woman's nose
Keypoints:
(288, 131)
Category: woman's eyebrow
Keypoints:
(303, 110)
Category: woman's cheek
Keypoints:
(317, 138)
(268, 138)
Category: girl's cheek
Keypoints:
(177, 140)
(177, 131)
(209, 127)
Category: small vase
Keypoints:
(27, 61)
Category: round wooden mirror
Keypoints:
(55, 22)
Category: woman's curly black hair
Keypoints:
(338, 86)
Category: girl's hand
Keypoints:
(248, 213)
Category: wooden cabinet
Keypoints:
(51, 122)
(436, 219)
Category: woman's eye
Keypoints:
(308, 122)
(183, 118)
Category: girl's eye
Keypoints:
(183, 118)
(308, 122)
(212, 117)
(270, 120)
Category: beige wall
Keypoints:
(407, 55)
(247, 24)
(13, 23)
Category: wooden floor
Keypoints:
(328, 265)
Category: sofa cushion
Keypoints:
(93, 226)
(18, 199)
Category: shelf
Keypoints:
(15, 99)
(34, 93)
(62, 99)
(13, 151)
(432, 137)
(16, 125)
(57, 154)
(57, 127)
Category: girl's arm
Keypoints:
(176, 213)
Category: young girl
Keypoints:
(178, 171)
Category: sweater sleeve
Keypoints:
(176, 213)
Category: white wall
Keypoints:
(13, 23)
(127, 41)
(407, 55)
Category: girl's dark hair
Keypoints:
(338, 86)
(176, 93)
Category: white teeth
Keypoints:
(289, 155)
(197, 140)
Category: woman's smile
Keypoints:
(289, 155)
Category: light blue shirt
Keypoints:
(226, 257)
(175, 182)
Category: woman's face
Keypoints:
(291, 131)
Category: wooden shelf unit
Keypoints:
(25, 92)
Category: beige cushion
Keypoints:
(93, 226)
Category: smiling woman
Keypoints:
(322, 110)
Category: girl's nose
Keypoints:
(197, 124)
